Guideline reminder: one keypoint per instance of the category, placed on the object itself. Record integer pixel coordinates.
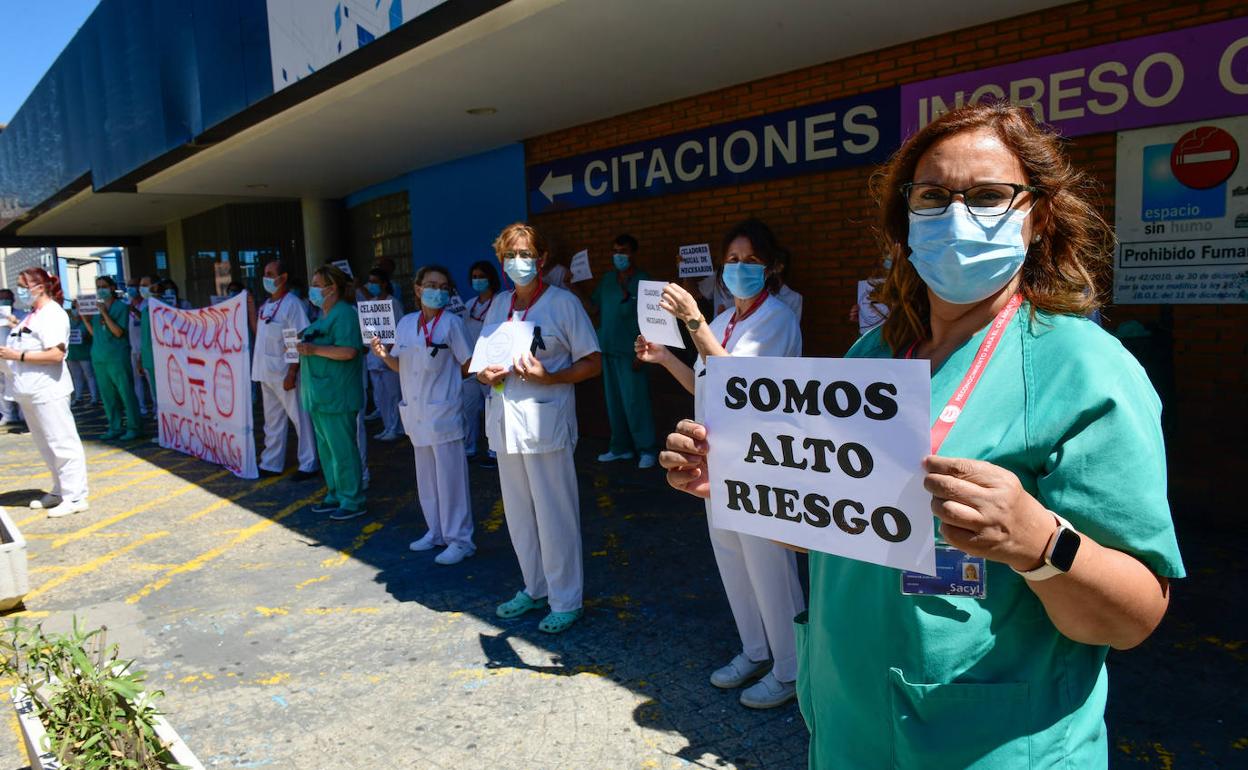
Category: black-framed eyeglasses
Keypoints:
(522, 254)
(991, 199)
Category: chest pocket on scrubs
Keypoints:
(972, 726)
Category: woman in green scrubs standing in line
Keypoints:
(110, 357)
(332, 391)
(1048, 481)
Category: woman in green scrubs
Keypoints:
(110, 357)
(1050, 484)
(332, 391)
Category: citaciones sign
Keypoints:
(817, 137)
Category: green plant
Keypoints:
(92, 704)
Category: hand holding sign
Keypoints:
(500, 345)
(656, 324)
(685, 459)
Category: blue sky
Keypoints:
(32, 34)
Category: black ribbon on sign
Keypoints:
(538, 342)
(435, 347)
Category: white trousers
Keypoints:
(760, 578)
(386, 394)
(9, 408)
(281, 405)
(543, 510)
(56, 436)
(442, 486)
(474, 402)
(146, 402)
(83, 375)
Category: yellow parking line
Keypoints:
(91, 566)
(227, 500)
(199, 562)
(97, 526)
(365, 535)
(99, 493)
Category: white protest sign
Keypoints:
(344, 266)
(456, 305)
(824, 454)
(695, 261)
(501, 344)
(580, 267)
(216, 299)
(202, 366)
(656, 324)
(88, 304)
(376, 320)
(870, 314)
(290, 338)
(75, 336)
(6, 311)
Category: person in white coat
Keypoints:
(486, 284)
(759, 576)
(279, 378)
(35, 361)
(430, 354)
(531, 423)
(136, 299)
(10, 413)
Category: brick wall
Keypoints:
(825, 219)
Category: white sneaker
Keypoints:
(47, 501)
(610, 457)
(454, 554)
(66, 508)
(426, 543)
(738, 671)
(647, 460)
(768, 692)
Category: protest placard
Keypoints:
(580, 267)
(88, 304)
(344, 266)
(376, 320)
(656, 324)
(501, 344)
(695, 261)
(290, 338)
(75, 337)
(824, 454)
(456, 305)
(870, 314)
(202, 366)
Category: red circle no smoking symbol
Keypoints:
(1204, 157)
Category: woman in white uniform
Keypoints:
(531, 422)
(760, 576)
(486, 284)
(278, 378)
(429, 354)
(385, 382)
(35, 357)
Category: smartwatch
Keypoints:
(1059, 555)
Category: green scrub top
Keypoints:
(887, 680)
(145, 334)
(617, 316)
(105, 348)
(327, 385)
(81, 351)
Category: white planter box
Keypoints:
(14, 582)
(33, 734)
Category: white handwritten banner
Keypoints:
(695, 261)
(203, 382)
(376, 320)
(824, 454)
(656, 324)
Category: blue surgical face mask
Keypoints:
(132, 292)
(169, 297)
(270, 284)
(373, 288)
(23, 295)
(744, 279)
(480, 285)
(103, 294)
(316, 296)
(145, 292)
(520, 270)
(621, 261)
(965, 259)
(434, 298)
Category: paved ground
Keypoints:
(287, 641)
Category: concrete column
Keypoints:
(323, 229)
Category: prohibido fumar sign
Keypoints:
(824, 454)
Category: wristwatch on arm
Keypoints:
(1059, 554)
(692, 324)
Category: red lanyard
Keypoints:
(957, 402)
(476, 302)
(732, 324)
(541, 287)
(428, 330)
(277, 307)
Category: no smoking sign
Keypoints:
(1204, 157)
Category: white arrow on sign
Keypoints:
(555, 185)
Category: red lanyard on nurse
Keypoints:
(476, 302)
(272, 313)
(429, 329)
(957, 402)
(762, 297)
(541, 287)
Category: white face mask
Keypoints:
(963, 258)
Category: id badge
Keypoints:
(957, 574)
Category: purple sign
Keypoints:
(1175, 77)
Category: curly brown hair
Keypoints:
(1074, 245)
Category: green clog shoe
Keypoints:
(518, 605)
(558, 622)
